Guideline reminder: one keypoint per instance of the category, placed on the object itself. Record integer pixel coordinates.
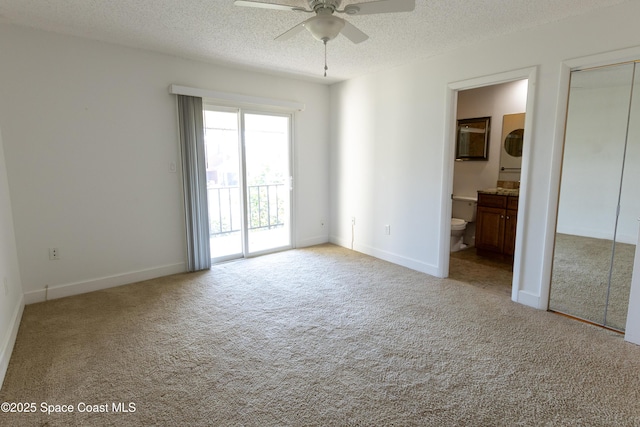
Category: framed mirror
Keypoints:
(472, 142)
(512, 142)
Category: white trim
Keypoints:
(393, 258)
(527, 298)
(313, 241)
(7, 346)
(493, 79)
(236, 99)
(411, 263)
(632, 330)
(631, 334)
(77, 288)
(602, 59)
(554, 184)
(525, 175)
(451, 108)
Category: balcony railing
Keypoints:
(266, 208)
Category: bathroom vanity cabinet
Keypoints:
(496, 224)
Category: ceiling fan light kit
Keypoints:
(325, 26)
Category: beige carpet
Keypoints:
(580, 279)
(317, 337)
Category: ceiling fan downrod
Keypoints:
(325, 58)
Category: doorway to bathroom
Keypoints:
(488, 147)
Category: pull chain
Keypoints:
(325, 59)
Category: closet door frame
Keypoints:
(632, 332)
(596, 135)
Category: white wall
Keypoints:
(11, 300)
(389, 155)
(89, 132)
(490, 101)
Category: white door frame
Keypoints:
(449, 158)
(632, 330)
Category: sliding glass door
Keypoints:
(248, 181)
(268, 188)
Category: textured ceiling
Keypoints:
(219, 32)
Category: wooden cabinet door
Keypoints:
(510, 232)
(490, 227)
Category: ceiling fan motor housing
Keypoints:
(317, 5)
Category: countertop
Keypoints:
(501, 191)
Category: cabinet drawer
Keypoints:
(492, 200)
(512, 203)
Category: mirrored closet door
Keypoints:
(599, 202)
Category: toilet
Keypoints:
(463, 211)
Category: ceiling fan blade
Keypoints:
(292, 32)
(380, 6)
(353, 34)
(262, 5)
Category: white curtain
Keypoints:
(195, 182)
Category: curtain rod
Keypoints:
(236, 98)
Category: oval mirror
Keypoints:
(513, 143)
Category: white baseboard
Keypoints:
(404, 261)
(10, 340)
(632, 336)
(61, 291)
(340, 242)
(527, 298)
(312, 241)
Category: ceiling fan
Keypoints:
(326, 26)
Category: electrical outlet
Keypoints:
(353, 220)
(6, 287)
(54, 254)
(173, 167)
(387, 230)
